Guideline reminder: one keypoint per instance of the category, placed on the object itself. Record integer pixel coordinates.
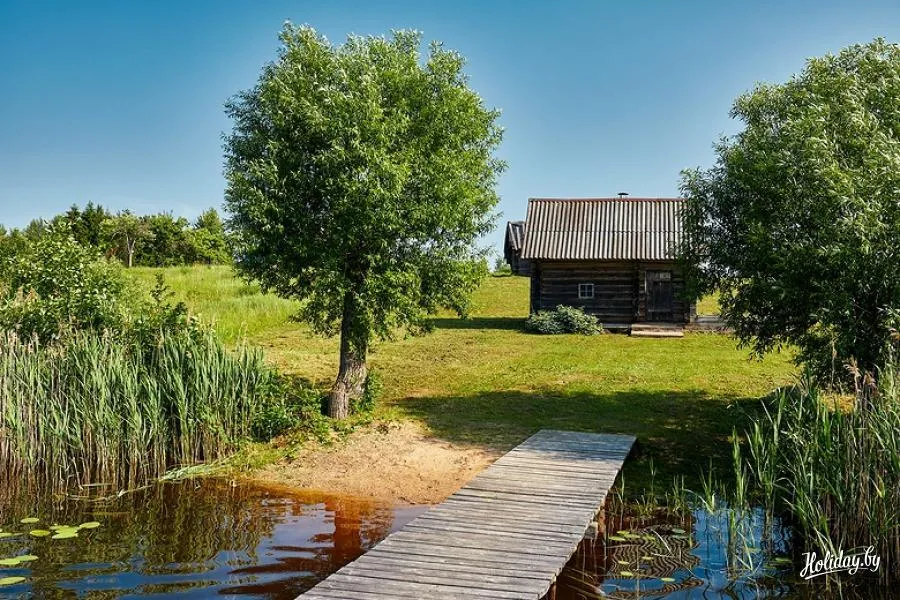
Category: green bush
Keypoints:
(565, 319)
(54, 283)
(288, 405)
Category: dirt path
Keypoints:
(398, 462)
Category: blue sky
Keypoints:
(120, 103)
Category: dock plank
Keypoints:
(508, 533)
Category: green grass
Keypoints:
(708, 305)
(217, 295)
(483, 381)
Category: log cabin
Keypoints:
(612, 257)
(512, 248)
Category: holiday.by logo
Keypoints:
(813, 566)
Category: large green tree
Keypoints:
(360, 178)
(798, 223)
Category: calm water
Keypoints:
(196, 539)
(206, 538)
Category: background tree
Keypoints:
(170, 241)
(798, 223)
(209, 239)
(128, 230)
(359, 180)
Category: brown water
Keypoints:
(195, 539)
(208, 538)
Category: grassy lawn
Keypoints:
(482, 381)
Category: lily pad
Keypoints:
(623, 532)
(623, 562)
(11, 580)
(64, 535)
(626, 574)
(677, 530)
(667, 579)
(6, 534)
(26, 558)
(9, 562)
(645, 557)
(39, 532)
(89, 525)
(29, 520)
(615, 538)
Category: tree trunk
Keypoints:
(351, 379)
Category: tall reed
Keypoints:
(836, 472)
(94, 407)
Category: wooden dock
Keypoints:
(507, 534)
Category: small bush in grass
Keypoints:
(565, 319)
(286, 406)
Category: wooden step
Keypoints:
(659, 330)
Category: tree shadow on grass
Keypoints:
(508, 323)
(679, 433)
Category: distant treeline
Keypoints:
(159, 240)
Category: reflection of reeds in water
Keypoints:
(93, 408)
(194, 534)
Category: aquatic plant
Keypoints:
(94, 407)
(836, 470)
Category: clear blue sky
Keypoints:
(120, 103)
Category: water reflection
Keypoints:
(191, 540)
(721, 554)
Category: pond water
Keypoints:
(208, 538)
(194, 539)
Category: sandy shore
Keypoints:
(396, 462)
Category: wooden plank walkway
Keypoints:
(507, 534)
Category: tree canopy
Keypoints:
(798, 223)
(360, 178)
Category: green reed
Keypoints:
(835, 472)
(94, 407)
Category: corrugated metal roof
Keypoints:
(515, 233)
(602, 228)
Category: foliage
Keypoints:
(798, 225)
(55, 283)
(836, 470)
(359, 180)
(152, 240)
(564, 319)
(86, 225)
(128, 233)
(209, 239)
(93, 407)
(288, 406)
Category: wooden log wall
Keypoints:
(620, 294)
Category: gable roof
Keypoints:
(602, 228)
(515, 235)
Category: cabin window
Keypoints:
(585, 290)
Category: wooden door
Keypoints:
(660, 296)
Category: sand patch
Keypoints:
(397, 462)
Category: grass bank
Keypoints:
(483, 381)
